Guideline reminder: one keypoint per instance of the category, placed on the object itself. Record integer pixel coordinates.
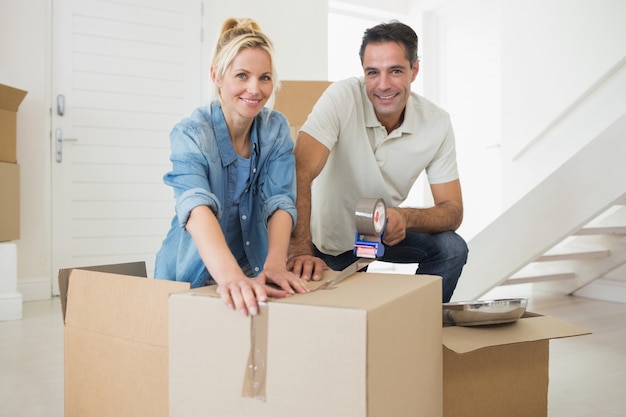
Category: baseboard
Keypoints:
(604, 289)
(10, 307)
(35, 288)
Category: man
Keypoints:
(372, 137)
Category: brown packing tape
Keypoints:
(256, 369)
(255, 373)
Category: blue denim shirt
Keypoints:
(204, 172)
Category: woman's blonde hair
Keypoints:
(236, 35)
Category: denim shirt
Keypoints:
(204, 173)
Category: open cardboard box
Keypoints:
(368, 347)
(500, 370)
(116, 341)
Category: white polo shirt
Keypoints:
(365, 162)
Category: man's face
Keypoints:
(388, 77)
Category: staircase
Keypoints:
(568, 233)
(591, 253)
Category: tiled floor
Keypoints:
(587, 373)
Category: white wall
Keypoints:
(552, 52)
(298, 30)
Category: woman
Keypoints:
(233, 176)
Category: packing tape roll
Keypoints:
(370, 216)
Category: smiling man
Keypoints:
(371, 136)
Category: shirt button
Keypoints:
(256, 269)
(253, 170)
(244, 217)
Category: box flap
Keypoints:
(121, 306)
(10, 97)
(296, 99)
(135, 269)
(527, 329)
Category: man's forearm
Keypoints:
(440, 218)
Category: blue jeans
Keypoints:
(442, 254)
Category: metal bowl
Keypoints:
(484, 312)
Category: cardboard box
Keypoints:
(9, 202)
(10, 99)
(296, 99)
(369, 347)
(116, 341)
(495, 371)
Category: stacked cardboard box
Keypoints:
(10, 99)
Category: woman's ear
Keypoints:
(213, 75)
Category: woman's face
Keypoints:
(247, 84)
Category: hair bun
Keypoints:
(240, 23)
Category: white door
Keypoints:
(123, 73)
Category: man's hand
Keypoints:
(307, 267)
(395, 228)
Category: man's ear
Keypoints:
(415, 69)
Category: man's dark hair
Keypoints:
(392, 31)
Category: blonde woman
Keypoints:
(233, 177)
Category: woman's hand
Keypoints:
(243, 294)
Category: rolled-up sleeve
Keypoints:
(278, 189)
(189, 175)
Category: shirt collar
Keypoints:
(222, 137)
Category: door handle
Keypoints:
(59, 144)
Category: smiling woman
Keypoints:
(234, 181)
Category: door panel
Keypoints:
(128, 71)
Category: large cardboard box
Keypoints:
(9, 201)
(296, 99)
(369, 347)
(10, 99)
(116, 341)
(495, 371)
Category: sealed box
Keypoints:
(115, 341)
(368, 347)
(10, 100)
(9, 201)
(501, 370)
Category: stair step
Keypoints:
(601, 230)
(567, 253)
(526, 279)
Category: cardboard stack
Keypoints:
(373, 346)
(10, 99)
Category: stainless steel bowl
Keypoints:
(484, 312)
